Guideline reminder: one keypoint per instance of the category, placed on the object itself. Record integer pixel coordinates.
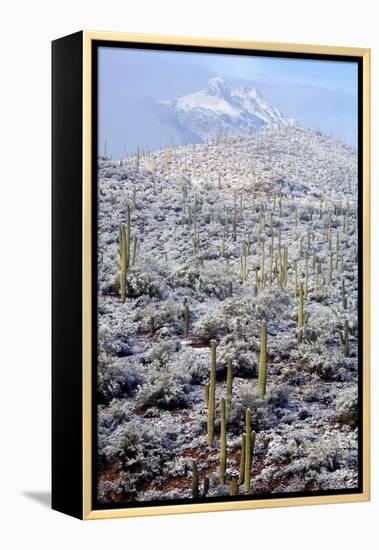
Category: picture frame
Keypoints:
(78, 166)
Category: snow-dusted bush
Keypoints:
(347, 406)
(265, 411)
(167, 387)
(105, 340)
(212, 325)
(132, 446)
(213, 279)
(167, 314)
(196, 365)
(161, 353)
(328, 363)
(138, 283)
(115, 380)
(245, 360)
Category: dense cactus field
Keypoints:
(227, 319)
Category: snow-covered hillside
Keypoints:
(224, 239)
(217, 109)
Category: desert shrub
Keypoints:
(195, 364)
(245, 360)
(166, 388)
(320, 454)
(115, 380)
(212, 280)
(309, 454)
(328, 363)
(186, 275)
(105, 341)
(167, 314)
(272, 304)
(131, 446)
(139, 283)
(347, 406)
(265, 411)
(160, 354)
(212, 325)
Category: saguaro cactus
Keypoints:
(229, 385)
(195, 480)
(247, 452)
(263, 274)
(223, 443)
(345, 338)
(344, 299)
(212, 393)
(186, 318)
(222, 251)
(233, 489)
(122, 263)
(300, 315)
(230, 289)
(295, 284)
(242, 460)
(206, 394)
(331, 268)
(128, 232)
(134, 251)
(263, 361)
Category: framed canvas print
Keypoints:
(210, 275)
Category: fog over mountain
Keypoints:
(144, 97)
(217, 109)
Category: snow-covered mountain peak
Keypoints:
(217, 109)
(217, 86)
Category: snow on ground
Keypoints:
(286, 188)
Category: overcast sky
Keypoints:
(318, 94)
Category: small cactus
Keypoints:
(262, 281)
(230, 289)
(186, 319)
(233, 488)
(152, 325)
(345, 338)
(205, 486)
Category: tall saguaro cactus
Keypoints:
(247, 452)
(263, 360)
(300, 315)
(123, 262)
(223, 443)
(212, 394)
(229, 385)
(242, 460)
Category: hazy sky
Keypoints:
(318, 94)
